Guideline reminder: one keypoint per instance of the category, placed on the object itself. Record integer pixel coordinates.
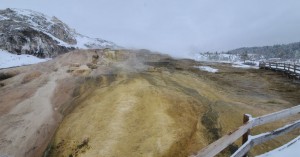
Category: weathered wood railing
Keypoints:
(291, 69)
(219, 145)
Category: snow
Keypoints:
(250, 117)
(24, 12)
(3, 18)
(29, 14)
(240, 64)
(60, 42)
(225, 58)
(8, 60)
(291, 149)
(216, 57)
(43, 23)
(208, 69)
(84, 42)
(81, 41)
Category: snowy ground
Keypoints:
(291, 149)
(225, 58)
(8, 60)
(208, 69)
(240, 64)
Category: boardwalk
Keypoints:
(292, 70)
(216, 147)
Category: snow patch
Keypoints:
(290, 149)
(216, 57)
(8, 60)
(84, 42)
(60, 42)
(3, 18)
(242, 65)
(233, 59)
(250, 117)
(208, 69)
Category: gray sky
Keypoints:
(177, 26)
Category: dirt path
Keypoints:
(26, 127)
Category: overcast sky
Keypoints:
(177, 26)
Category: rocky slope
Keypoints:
(29, 32)
(131, 103)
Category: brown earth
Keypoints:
(130, 103)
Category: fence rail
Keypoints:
(258, 139)
(290, 69)
(219, 145)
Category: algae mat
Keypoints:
(168, 109)
(139, 104)
(140, 116)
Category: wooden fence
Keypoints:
(249, 123)
(290, 69)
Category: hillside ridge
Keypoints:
(24, 31)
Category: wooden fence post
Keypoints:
(243, 131)
(246, 119)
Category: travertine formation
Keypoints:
(131, 103)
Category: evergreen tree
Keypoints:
(244, 56)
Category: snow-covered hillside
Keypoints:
(12, 60)
(216, 57)
(236, 60)
(29, 32)
(48, 25)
